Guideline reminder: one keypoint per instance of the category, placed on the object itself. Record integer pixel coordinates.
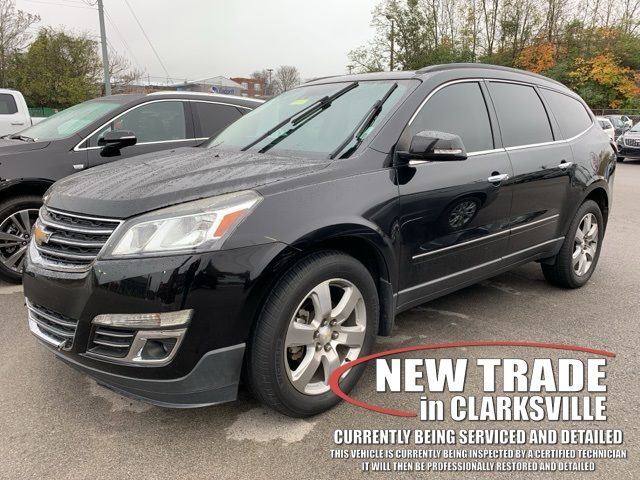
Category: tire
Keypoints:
(620, 159)
(563, 272)
(271, 362)
(10, 260)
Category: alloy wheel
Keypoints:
(462, 213)
(327, 330)
(585, 244)
(15, 233)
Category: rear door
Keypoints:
(210, 118)
(158, 125)
(542, 164)
(454, 219)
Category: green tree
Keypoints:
(59, 70)
(14, 35)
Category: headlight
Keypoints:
(202, 225)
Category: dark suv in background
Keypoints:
(90, 134)
(295, 236)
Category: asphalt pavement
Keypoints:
(56, 423)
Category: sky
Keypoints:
(197, 39)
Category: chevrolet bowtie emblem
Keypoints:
(40, 235)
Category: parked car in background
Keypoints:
(14, 114)
(620, 125)
(94, 133)
(607, 126)
(629, 144)
(285, 244)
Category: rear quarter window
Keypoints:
(7, 104)
(570, 114)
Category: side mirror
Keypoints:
(117, 139)
(435, 146)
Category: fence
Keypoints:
(43, 111)
(633, 114)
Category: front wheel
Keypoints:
(580, 251)
(17, 216)
(620, 159)
(322, 314)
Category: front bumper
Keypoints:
(628, 152)
(217, 286)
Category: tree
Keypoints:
(59, 69)
(14, 35)
(286, 77)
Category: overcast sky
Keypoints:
(204, 38)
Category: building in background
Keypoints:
(251, 87)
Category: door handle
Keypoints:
(17, 123)
(564, 165)
(498, 177)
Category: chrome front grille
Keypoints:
(632, 142)
(73, 241)
(51, 327)
(111, 342)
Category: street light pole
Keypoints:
(105, 53)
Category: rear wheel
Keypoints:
(580, 251)
(17, 216)
(322, 314)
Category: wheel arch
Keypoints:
(27, 186)
(362, 243)
(599, 194)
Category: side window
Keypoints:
(569, 112)
(459, 109)
(522, 116)
(7, 104)
(214, 117)
(152, 122)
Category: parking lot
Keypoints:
(56, 423)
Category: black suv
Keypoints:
(90, 134)
(291, 239)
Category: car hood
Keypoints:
(141, 184)
(632, 135)
(9, 146)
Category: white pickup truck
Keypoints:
(14, 114)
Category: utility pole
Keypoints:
(105, 53)
(393, 37)
(350, 68)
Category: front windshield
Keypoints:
(636, 127)
(616, 122)
(323, 132)
(70, 121)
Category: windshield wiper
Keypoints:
(300, 116)
(364, 124)
(24, 138)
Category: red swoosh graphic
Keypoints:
(335, 376)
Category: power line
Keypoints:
(122, 38)
(84, 6)
(147, 37)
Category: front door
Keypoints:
(454, 220)
(158, 125)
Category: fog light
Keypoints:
(158, 349)
(145, 320)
